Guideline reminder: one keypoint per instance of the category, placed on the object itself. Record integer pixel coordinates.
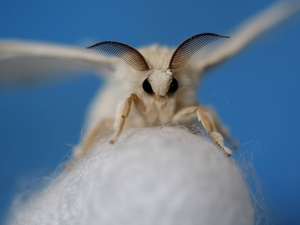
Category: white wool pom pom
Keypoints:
(149, 176)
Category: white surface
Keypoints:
(150, 176)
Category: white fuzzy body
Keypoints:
(125, 81)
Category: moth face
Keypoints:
(160, 83)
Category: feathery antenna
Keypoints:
(129, 54)
(187, 48)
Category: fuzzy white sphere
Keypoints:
(151, 176)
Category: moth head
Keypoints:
(158, 82)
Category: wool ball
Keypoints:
(161, 176)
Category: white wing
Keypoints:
(246, 34)
(26, 61)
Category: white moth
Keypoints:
(157, 88)
(149, 86)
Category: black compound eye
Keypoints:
(173, 86)
(147, 87)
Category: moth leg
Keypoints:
(222, 129)
(122, 113)
(207, 122)
(183, 113)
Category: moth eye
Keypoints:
(173, 86)
(147, 87)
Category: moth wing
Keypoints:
(246, 34)
(22, 62)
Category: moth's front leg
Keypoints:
(219, 127)
(208, 123)
(123, 110)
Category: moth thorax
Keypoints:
(160, 82)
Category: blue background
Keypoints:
(256, 93)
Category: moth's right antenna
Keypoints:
(129, 54)
(187, 48)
